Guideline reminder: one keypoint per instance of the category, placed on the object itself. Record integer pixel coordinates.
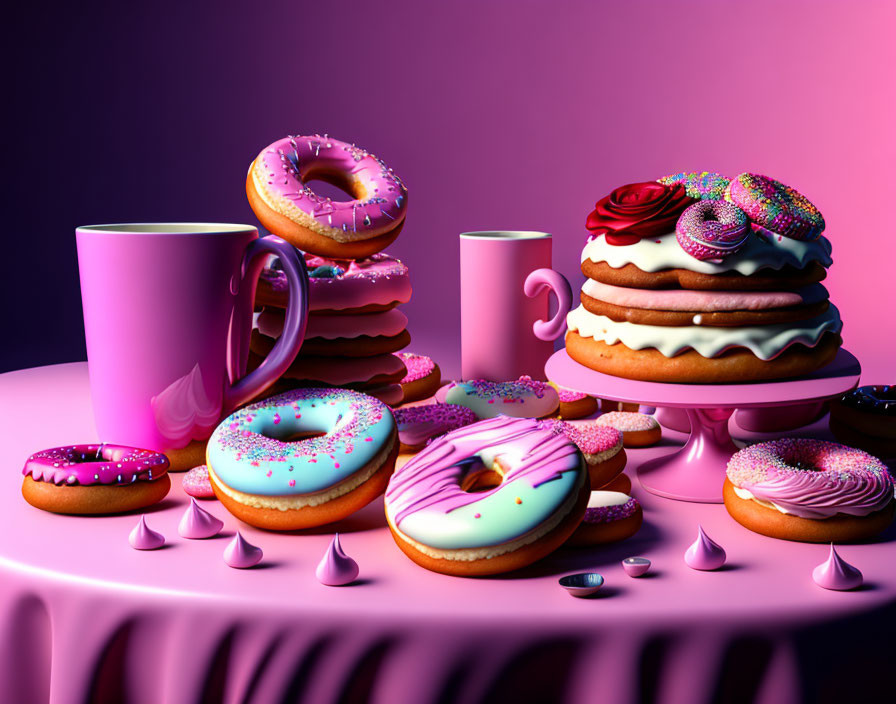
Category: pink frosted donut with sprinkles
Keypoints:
(523, 398)
(574, 404)
(809, 490)
(95, 479)
(638, 429)
(196, 484)
(712, 230)
(351, 229)
(601, 446)
(611, 516)
(417, 425)
(776, 207)
(423, 377)
(304, 458)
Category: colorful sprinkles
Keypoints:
(419, 366)
(87, 465)
(705, 185)
(776, 206)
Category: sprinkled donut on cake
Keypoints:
(776, 206)
(705, 185)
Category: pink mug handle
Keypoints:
(540, 280)
(296, 318)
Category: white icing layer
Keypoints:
(765, 341)
(656, 253)
(602, 499)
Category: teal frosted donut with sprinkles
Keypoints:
(304, 458)
(776, 207)
(523, 398)
(488, 498)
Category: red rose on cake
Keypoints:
(638, 210)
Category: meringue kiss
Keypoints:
(197, 523)
(836, 573)
(336, 569)
(241, 554)
(704, 554)
(143, 537)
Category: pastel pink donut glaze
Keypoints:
(143, 537)
(703, 301)
(197, 484)
(197, 523)
(627, 421)
(569, 395)
(704, 553)
(419, 366)
(100, 464)
(813, 479)
(590, 438)
(338, 284)
(331, 327)
(284, 166)
(837, 574)
(336, 569)
(241, 554)
(419, 424)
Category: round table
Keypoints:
(84, 618)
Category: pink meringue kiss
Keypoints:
(704, 554)
(336, 569)
(240, 554)
(143, 537)
(196, 483)
(636, 566)
(197, 523)
(837, 574)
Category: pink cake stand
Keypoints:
(695, 471)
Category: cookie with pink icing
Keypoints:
(601, 447)
(374, 283)
(523, 398)
(611, 516)
(351, 229)
(638, 429)
(423, 377)
(488, 498)
(417, 425)
(95, 479)
(809, 490)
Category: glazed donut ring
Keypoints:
(448, 515)
(267, 479)
(350, 229)
(631, 276)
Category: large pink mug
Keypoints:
(497, 322)
(167, 316)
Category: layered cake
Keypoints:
(698, 278)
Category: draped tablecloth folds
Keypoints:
(85, 618)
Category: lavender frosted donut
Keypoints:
(375, 283)
(812, 490)
(712, 229)
(704, 185)
(776, 207)
(417, 425)
(93, 479)
(354, 228)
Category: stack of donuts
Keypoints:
(700, 278)
(354, 327)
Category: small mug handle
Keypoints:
(296, 318)
(540, 280)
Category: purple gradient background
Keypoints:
(500, 115)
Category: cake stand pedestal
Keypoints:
(695, 472)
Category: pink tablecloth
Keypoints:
(83, 617)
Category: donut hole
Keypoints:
(335, 186)
(293, 435)
(481, 478)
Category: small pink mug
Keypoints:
(167, 317)
(497, 322)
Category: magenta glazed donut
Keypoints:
(776, 206)
(712, 229)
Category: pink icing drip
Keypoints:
(287, 162)
(703, 301)
(86, 465)
(196, 483)
(836, 574)
(336, 569)
(812, 479)
(197, 523)
(704, 554)
(418, 365)
(417, 424)
(241, 554)
(627, 422)
(432, 478)
(143, 537)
